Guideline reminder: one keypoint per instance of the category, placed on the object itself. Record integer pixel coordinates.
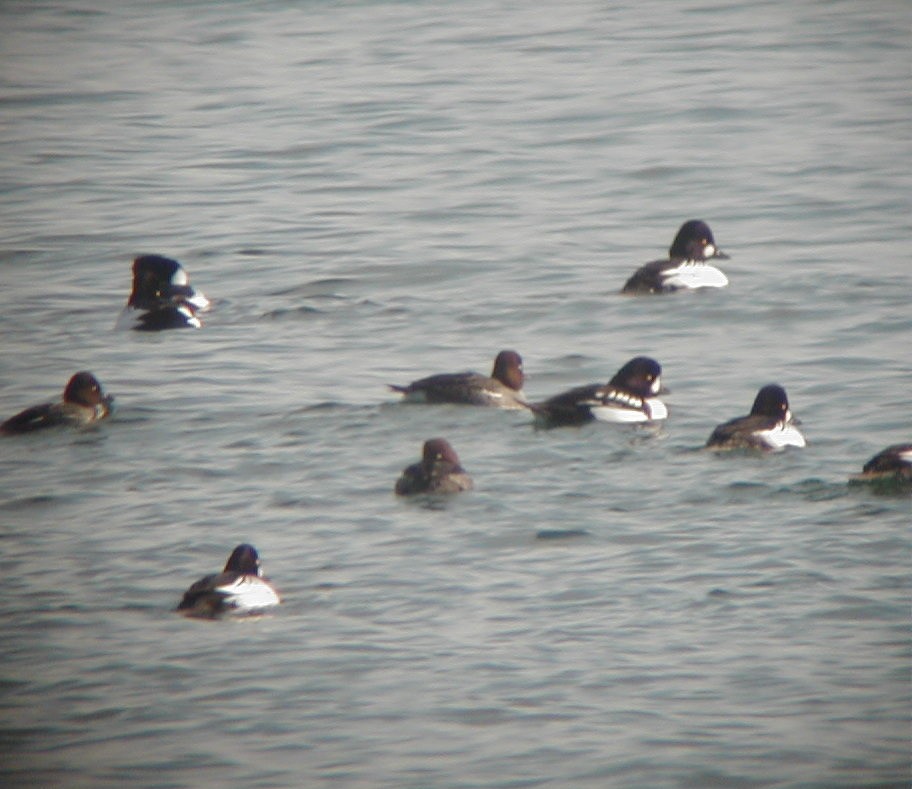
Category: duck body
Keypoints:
(239, 588)
(687, 267)
(630, 396)
(84, 402)
(162, 297)
(438, 471)
(889, 471)
(501, 389)
(769, 426)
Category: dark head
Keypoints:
(244, 559)
(771, 401)
(438, 450)
(695, 241)
(84, 389)
(641, 375)
(158, 280)
(508, 369)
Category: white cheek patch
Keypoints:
(694, 275)
(180, 278)
(656, 386)
(906, 455)
(709, 250)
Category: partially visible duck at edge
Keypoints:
(687, 266)
(439, 471)
(770, 425)
(83, 403)
(630, 396)
(889, 471)
(502, 389)
(239, 589)
(162, 297)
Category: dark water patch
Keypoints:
(20, 736)
(291, 313)
(327, 288)
(656, 173)
(155, 773)
(555, 535)
(794, 579)
(331, 405)
(891, 487)
(815, 489)
(708, 779)
(438, 502)
(51, 99)
(865, 610)
(33, 502)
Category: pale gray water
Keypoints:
(371, 192)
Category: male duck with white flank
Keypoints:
(630, 396)
(687, 266)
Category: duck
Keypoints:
(891, 468)
(769, 426)
(687, 266)
(501, 389)
(162, 297)
(630, 396)
(239, 588)
(438, 471)
(84, 403)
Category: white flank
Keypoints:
(619, 414)
(694, 275)
(248, 592)
(657, 408)
(781, 436)
(192, 320)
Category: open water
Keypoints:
(371, 192)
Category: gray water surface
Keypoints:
(373, 192)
